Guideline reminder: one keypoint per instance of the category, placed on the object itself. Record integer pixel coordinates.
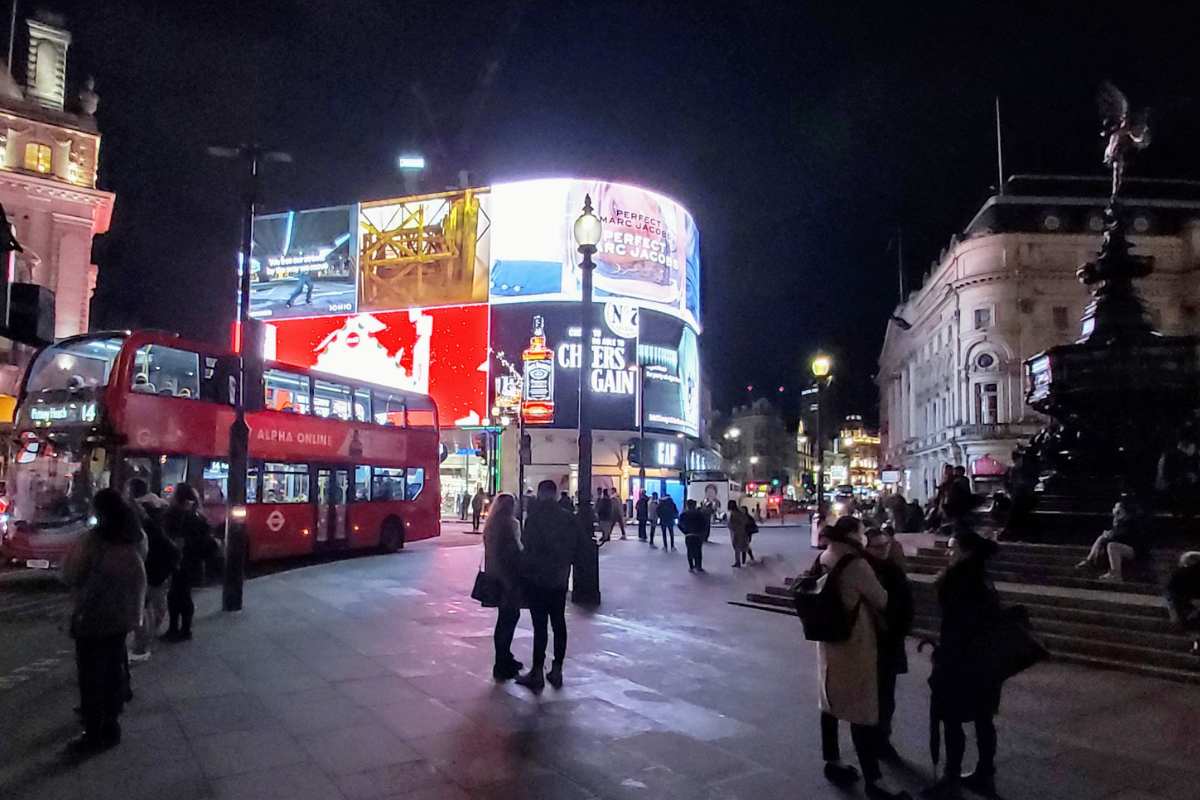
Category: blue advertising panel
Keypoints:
(303, 263)
(669, 353)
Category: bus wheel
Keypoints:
(391, 536)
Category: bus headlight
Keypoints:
(238, 513)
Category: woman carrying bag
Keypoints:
(498, 585)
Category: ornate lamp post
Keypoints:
(587, 566)
(821, 366)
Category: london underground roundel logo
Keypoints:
(275, 521)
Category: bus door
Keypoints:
(332, 489)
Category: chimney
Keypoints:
(46, 67)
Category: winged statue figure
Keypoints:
(1126, 131)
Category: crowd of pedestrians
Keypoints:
(861, 576)
(131, 571)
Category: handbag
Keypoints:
(488, 589)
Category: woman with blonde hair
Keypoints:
(501, 561)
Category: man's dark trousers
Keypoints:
(547, 605)
(695, 551)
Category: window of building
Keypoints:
(1061, 319)
(415, 483)
(362, 405)
(331, 400)
(390, 408)
(38, 157)
(985, 361)
(285, 483)
(387, 484)
(362, 483)
(983, 319)
(987, 403)
(167, 371)
(286, 391)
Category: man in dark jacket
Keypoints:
(898, 619)
(642, 511)
(667, 514)
(547, 551)
(694, 524)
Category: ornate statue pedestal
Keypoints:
(1118, 407)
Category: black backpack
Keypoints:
(819, 604)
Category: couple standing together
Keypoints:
(533, 567)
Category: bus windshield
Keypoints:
(54, 480)
(73, 367)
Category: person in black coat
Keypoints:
(668, 512)
(898, 620)
(642, 511)
(189, 530)
(969, 605)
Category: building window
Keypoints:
(37, 157)
(985, 361)
(987, 403)
(1061, 320)
(983, 319)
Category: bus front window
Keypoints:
(52, 482)
(73, 367)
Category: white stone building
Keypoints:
(49, 152)
(952, 387)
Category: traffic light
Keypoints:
(775, 482)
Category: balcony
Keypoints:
(997, 430)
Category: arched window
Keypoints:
(37, 157)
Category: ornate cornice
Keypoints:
(55, 190)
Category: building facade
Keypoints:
(951, 378)
(756, 445)
(860, 447)
(49, 156)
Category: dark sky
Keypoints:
(799, 134)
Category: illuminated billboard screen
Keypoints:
(303, 263)
(670, 355)
(442, 352)
(649, 252)
(427, 250)
(544, 342)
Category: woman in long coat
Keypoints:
(849, 670)
(501, 560)
(739, 532)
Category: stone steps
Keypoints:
(1038, 574)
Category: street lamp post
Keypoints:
(821, 367)
(586, 587)
(249, 363)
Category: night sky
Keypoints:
(800, 138)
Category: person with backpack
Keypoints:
(739, 532)
(162, 559)
(849, 603)
(189, 530)
(898, 620)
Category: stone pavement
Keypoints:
(370, 678)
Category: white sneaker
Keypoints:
(139, 658)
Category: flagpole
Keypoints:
(999, 152)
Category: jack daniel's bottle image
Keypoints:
(537, 394)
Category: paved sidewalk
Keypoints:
(370, 678)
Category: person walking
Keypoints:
(739, 532)
(969, 604)
(897, 623)
(618, 512)
(548, 550)
(668, 512)
(476, 509)
(502, 561)
(641, 511)
(189, 530)
(849, 670)
(464, 505)
(693, 523)
(604, 515)
(162, 559)
(652, 515)
(107, 577)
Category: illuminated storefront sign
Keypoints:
(670, 356)
(303, 263)
(442, 352)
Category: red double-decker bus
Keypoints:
(334, 464)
